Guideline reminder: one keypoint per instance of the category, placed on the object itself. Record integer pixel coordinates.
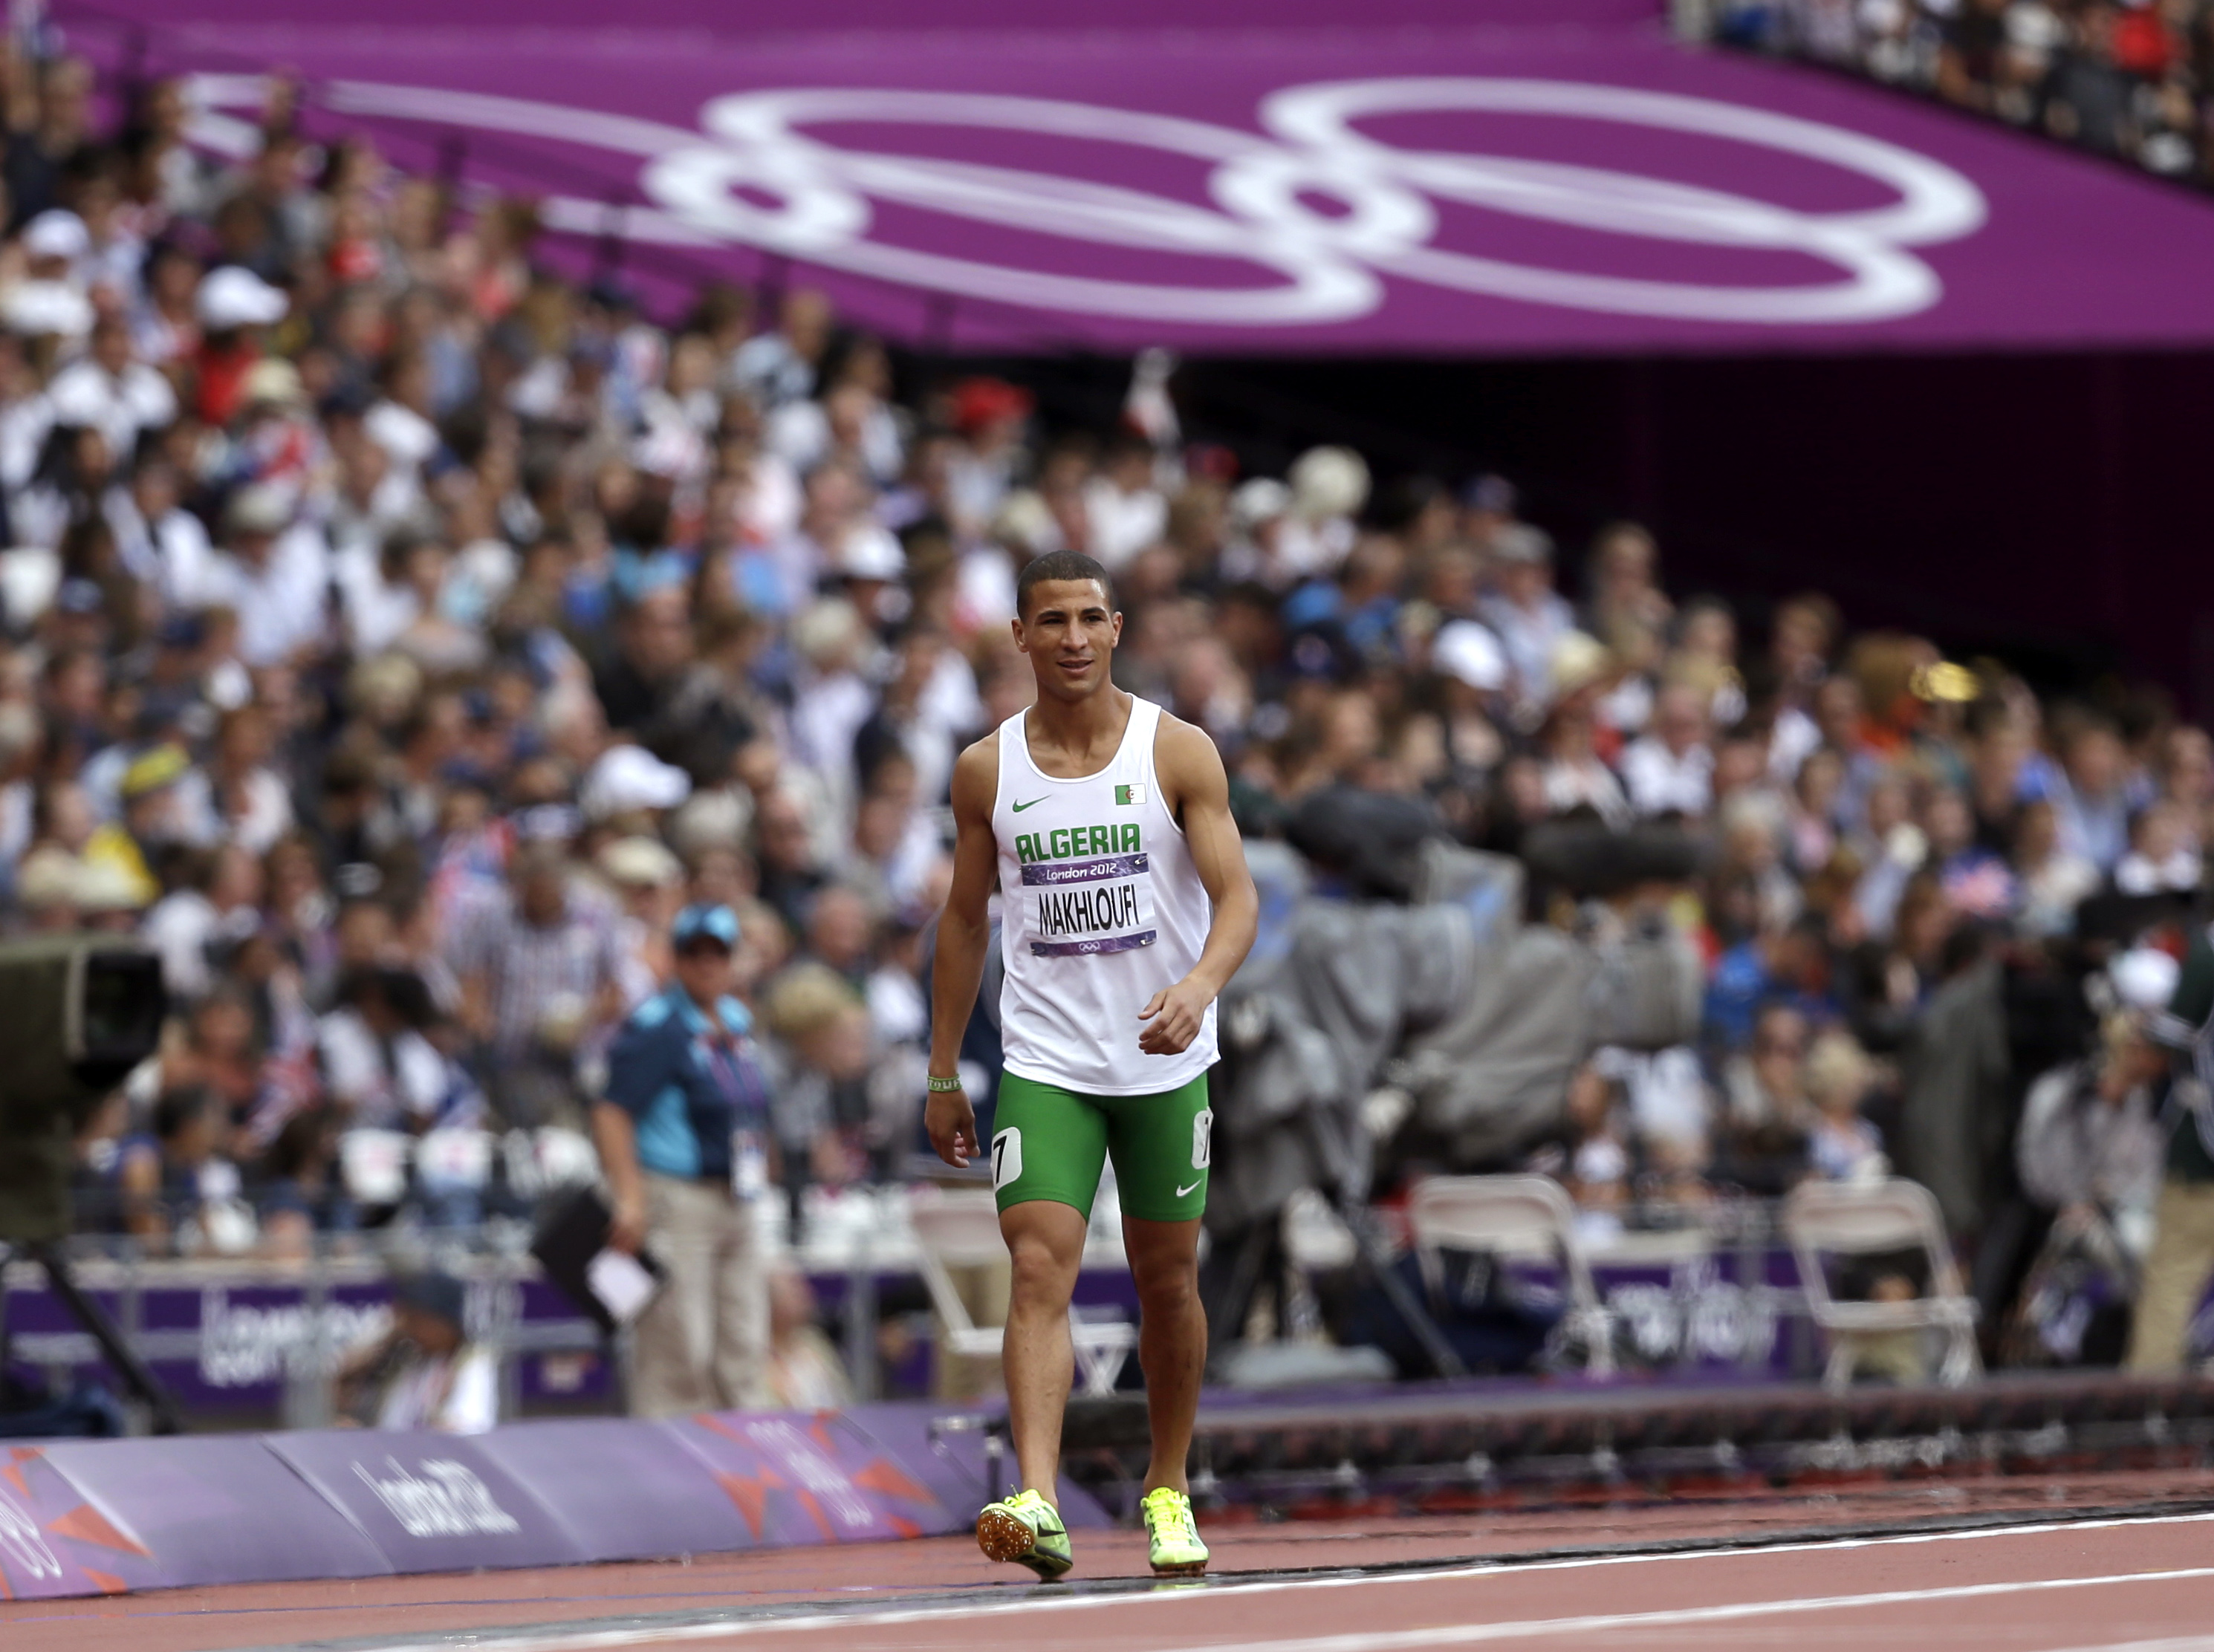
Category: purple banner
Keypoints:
(248, 1337)
(431, 1503)
(761, 17)
(953, 1463)
(54, 1542)
(801, 1478)
(217, 1509)
(1461, 190)
(628, 1491)
(109, 1516)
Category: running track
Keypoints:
(2131, 1584)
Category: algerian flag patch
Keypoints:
(1129, 795)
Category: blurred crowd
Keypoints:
(399, 633)
(2132, 78)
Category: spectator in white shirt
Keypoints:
(1125, 510)
(850, 422)
(401, 423)
(774, 368)
(1329, 487)
(161, 541)
(274, 573)
(377, 1066)
(1526, 614)
(51, 298)
(1671, 769)
(107, 389)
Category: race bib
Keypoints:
(1006, 1158)
(1081, 907)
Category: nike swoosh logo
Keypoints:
(1032, 804)
(1183, 1190)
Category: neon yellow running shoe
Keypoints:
(1026, 1529)
(1178, 1551)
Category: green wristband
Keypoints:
(942, 1085)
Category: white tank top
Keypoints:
(1100, 909)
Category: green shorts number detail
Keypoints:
(1049, 1143)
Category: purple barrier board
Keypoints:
(431, 1502)
(54, 1542)
(798, 1478)
(629, 1491)
(215, 1509)
(97, 1517)
(1447, 191)
(953, 1463)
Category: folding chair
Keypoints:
(1850, 1219)
(962, 1229)
(1515, 1216)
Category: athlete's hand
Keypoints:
(950, 1124)
(1176, 1013)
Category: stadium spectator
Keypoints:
(425, 1372)
(2124, 80)
(178, 1189)
(2182, 1255)
(683, 1136)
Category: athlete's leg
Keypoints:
(1046, 1239)
(1161, 1145)
(1171, 1338)
(1048, 1145)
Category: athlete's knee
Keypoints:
(1166, 1281)
(1040, 1266)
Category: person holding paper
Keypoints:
(684, 1140)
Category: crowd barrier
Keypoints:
(250, 1340)
(246, 1342)
(103, 1517)
(247, 1339)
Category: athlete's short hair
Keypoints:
(1058, 564)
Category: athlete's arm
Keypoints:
(964, 929)
(1197, 789)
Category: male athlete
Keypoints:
(1125, 905)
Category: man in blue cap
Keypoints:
(684, 1138)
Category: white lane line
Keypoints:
(1401, 1640)
(2181, 1643)
(592, 1640)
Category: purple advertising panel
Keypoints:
(231, 1345)
(54, 1541)
(798, 1478)
(953, 1461)
(1470, 190)
(215, 1509)
(431, 1502)
(629, 1491)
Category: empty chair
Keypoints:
(1852, 1219)
(956, 1229)
(1514, 1216)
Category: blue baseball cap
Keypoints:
(703, 922)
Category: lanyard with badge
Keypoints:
(735, 1077)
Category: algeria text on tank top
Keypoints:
(1101, 907)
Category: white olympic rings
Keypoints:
(755, 173)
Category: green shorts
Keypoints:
(1049, 1143)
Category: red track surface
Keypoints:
(2058, 1585)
